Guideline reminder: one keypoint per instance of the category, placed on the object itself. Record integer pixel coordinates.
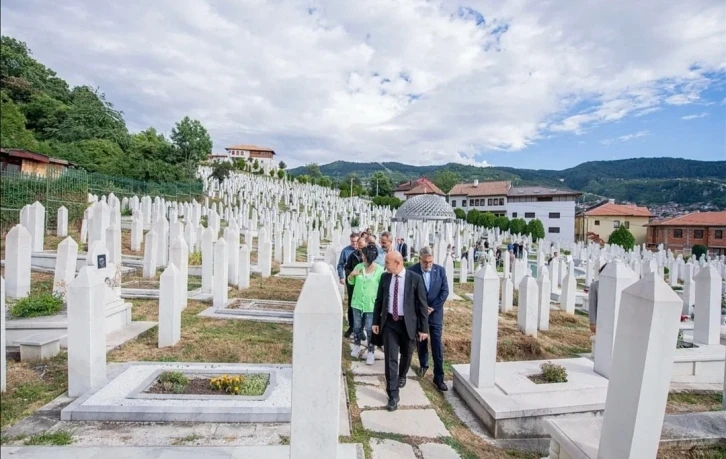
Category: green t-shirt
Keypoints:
(366, 287)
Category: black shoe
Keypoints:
(401, 382)
(348, 333)
(422, 371)
(440, 385)
(392, 404)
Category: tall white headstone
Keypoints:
(65, 266)
(449, 267)
(316, 344)
(86, 332)
(137, 233)
(544, 291)
(18, 248)
(507, 295)
(113, 243)
(528, 308)
(569, 289)
(3, 363)
(150, 254)
(689, 289)
(179, 256)
(484, 327)
(37, 226)
(207, 260)
(62, 222)
(221, 271)
(244, 268)
(707, 320)
(640, 375)
(463, 271)
(170, 304)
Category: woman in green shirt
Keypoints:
(365, 279)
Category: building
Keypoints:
(484, 196)
(28, 162)
(265, 156)
(554, 208)
(417, 187)
(681, 233)
(599, 221)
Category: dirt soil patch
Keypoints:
(200, 386)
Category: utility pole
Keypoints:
(376, 186)
(351, 187)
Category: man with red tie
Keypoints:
(401, 316)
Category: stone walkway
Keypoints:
(414, 417)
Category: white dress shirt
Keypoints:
(401, 287)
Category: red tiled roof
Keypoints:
(610, 209)
(695, 219)
(25, 154)
(424, 188)
(409, 186)
(481, 189)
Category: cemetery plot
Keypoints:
(215, 385)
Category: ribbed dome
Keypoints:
(425, 207)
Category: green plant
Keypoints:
(553, 373)
(698, 250)
(248, 384)
(126, 212)
(174, 381)
(535, 229)
(58, 438)
(42, 304)
(622, 237)
(195, 258)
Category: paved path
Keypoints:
(345, 451)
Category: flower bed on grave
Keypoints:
(174, 382)
(551, 374)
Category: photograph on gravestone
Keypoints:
(101, 261)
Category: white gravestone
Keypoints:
(244, 268)
(86, 332)
(544, 290)
(449, 267)
(170, 306)
(207, 260)
(707, 320)
(528, 309)
(484, 327)
(507, 295)
(231, 237)
(137, 233)
(569, 289)
(62, 222)
(179, 256)
(463, 271)
(65, 266)
(3, 363)
(37, 226)
(18, 248)
(150, 254)
(318, 322)
(113, 243)
(221, 271)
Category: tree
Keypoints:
(191, 141)
(272, 172)
(240, 164)
(12, 127)
(487, 220)
(313, 170)
(535, 229)
(622, 237)
(699, 250)
(44, 115)
(255, 164)
(281, 173)
(460, 214)
(518, 226)
(380, 185)
(324, 181)
(302, 179)
(473, 217)
(282, 165)
(446, 179)
(502, 223)
(221, 170)
(90, 116)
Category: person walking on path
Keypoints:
(401, 315)
(365, 277)
(437, 290)
(342, 275)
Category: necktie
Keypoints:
(395, 300)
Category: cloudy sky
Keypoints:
(540, 84)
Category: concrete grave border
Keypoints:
(261, 315)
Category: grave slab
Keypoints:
(438, 451)
(389, 449)
(376, 397)
(371, 380)
(361, 369)
(252, 309)
(418, 423)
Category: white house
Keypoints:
(265, 156)
(482, 196)
(554, 208)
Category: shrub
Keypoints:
(126, 212)
(460, 214)
(553, 373)
(174, 381)
(42, 304)
(622, 237)
(698, 250)
(535, 229)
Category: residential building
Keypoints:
(484, 196)
(416, 187)
(265, 156)
(28, 162)
(599, 221)
(681, 233)
(554, 208)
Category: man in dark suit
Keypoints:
(437, 290)
(402, 247)
(400, 314)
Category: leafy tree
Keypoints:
(502, 223)
(460, 214)
(535, 229)
(221, 170)
(622, 237)
(90, 116)
(13, 133)
(313, 170)
(324, 181)
(272, 173)
(390, 201)
(44, 115)
(304, 179)
(191, 141)
(380, 184)
(446, 179)
(22, 76)
(281, 173)
(487, 220)
(698, 250)
(282, 165)
(472, 217)
(255, 165)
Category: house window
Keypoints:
(501, 201)
(698, 234)
(597, 222)
(718, 234)
(554, 215)
(453, 203)
(514, 214)
(471, 202)
(553, 229)
(529, 215)
(463, 203)
(678, 233)
(626, 224)
(616, 223)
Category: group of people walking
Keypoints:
(401, 309)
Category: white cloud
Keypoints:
(626, 137)
(413, 81)
(695, 116)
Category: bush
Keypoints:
(518, 226)
(460, 214)
(622, 237)
(553, 373)
(174, 381)
(43, 304)
(535, 229)
(698, 250)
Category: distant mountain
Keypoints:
(648, 181)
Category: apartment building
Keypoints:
(554, 208)
(482, 196)
(681, 233)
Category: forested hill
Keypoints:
(640, 180)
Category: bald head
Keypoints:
(394, 262)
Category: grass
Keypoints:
(272, 288)
(57, 438)
(713, 452)
(37, 305)
(690, 402)
(186, 440)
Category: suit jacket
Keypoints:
(403, 250)
(415, 312)
(437, 293)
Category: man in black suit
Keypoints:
(437, 291)
(402, 247)
(401, 315)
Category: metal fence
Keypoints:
(70, 188)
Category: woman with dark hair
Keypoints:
(365, 278)
(592, 301)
